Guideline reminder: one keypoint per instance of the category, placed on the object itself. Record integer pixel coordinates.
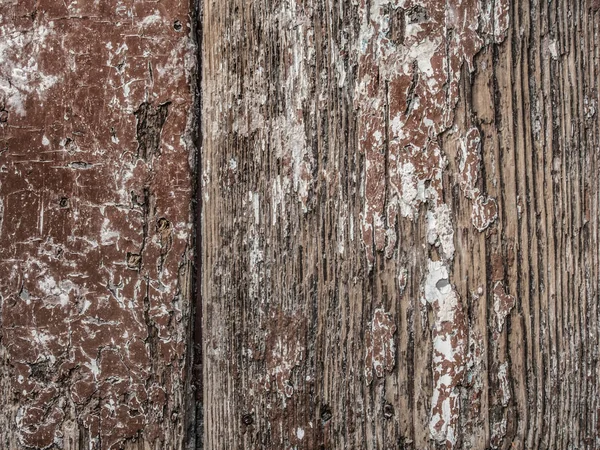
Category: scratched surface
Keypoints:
(400, 212)
(95, 222)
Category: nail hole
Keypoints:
(325, 413)
(162, 224)
(134, 260)
(177, 25)
(247, 419)
(388, 411)
(64, 202)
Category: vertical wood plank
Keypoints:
(400, 224)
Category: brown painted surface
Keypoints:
(400, 224)
(96, 104)
(399, 229)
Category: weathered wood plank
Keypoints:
(400, 224)
(96, 102)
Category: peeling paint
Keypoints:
(94, 297)
(20, 73)
(475, 369)
(503, 304)
(485, 212)
(497, 433)
(381, 350)
(504, 383)
(449, 342)
(285, 350)
(440, 230)
(288, 136)
(470, 161)
(407, 89)
(406, 94)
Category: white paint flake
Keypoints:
(504, 383)
(20, 71)
(448, 352)
(503, 304)
(440, 231)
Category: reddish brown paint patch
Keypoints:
(475, 367)
(408, 76)
(409, 68)
(285, 349)
(95, 205)
(485, 212)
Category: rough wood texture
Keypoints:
(400, 224)
(96, 127)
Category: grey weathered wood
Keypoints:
(342, 178)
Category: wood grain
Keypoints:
(370, 202)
